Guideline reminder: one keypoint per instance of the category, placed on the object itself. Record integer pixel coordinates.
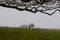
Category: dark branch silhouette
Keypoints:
(26, 0)
(32, 5)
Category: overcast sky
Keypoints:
(12, 17)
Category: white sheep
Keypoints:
(30, 25)
(24, 26)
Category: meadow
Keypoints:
(9, 33)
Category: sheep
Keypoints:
(24, 26)
(31, 25)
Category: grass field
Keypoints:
(7, 33)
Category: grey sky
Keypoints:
(12, 17)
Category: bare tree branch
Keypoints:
(32, 5)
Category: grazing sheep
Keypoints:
(31, 25)
(24, 26)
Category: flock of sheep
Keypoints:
(31, 25)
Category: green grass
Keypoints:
(28, 34)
